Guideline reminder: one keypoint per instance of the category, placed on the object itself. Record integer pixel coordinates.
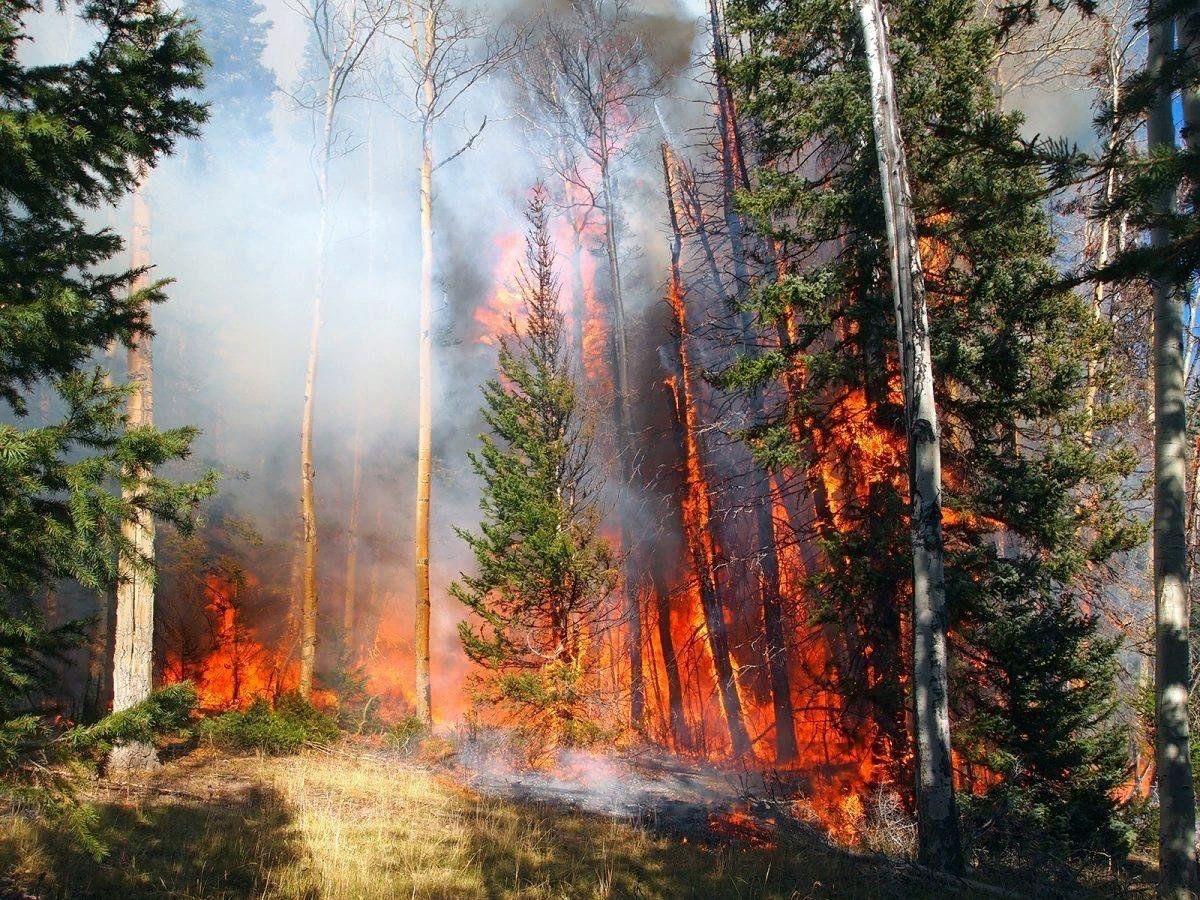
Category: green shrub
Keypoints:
(165, 711)
(278, 731)
(40, 774)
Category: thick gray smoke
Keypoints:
(234, 222)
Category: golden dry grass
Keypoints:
(321, 826)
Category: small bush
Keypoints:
(166, 711)
(41, 773)
(406, 734)
(278, 731)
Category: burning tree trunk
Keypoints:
(680, 735)
(133, 651)
(937, 818)
(732, 166)
(424, 694)
(1176, 792)
(695, 505)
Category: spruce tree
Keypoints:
(77, 136)
(1031, 499)
(544, 573)
(239, 87)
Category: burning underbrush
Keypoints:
(691, 800)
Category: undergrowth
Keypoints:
(291, 724)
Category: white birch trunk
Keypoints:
(937, 818)
(308, 474)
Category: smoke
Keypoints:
(234, 218)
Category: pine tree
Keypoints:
(239, 87)
(544, 573)
(79, 136)
(1030, 499)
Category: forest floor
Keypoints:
(352, 824)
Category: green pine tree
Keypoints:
(1032, 498)
(544, 574)
(75, 137)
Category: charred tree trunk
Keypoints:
(624, 444)
(760, 491)
(680, 736)
(133, 649)
(695, 506)
(939, 845)
(1176, 792)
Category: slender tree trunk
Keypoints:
(697, 530)
(1113, 69)
(349, 610)
(424, 696)
(695, 507)
(621, 403)
(766, 553)
(680, 736)
(133, 651)
(937, 818)
(308, 508)
(1177, 802)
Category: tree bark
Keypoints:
(767, 556)
(308, 510)
(695, 510)
(133, 650)
(424, 695)
(939, 845)
(621, 403)
(1177, 804)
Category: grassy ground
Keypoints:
(320, 826)
(348, 825)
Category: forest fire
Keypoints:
(809, 500)
(238, 669)
(386, 666)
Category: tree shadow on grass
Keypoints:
(226, 847)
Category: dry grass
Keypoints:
(318, 826)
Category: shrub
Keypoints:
(278, 731)
(406, 734)
(165, 711)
